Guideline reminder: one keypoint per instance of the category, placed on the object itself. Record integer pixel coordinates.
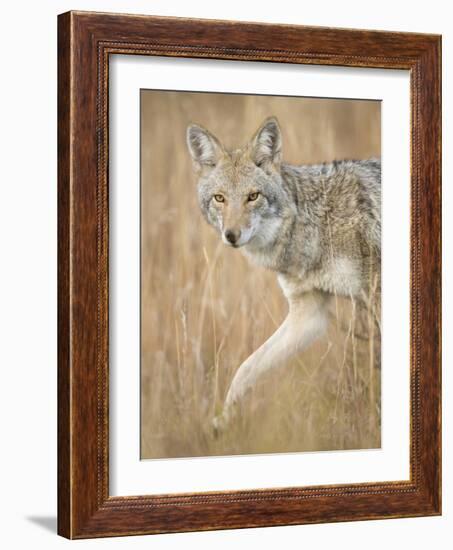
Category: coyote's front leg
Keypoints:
(306, 321)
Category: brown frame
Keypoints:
(85, 42)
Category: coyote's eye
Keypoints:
(219, 198)
(253, 196)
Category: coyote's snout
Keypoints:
(317, 226)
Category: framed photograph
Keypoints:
(249, 275)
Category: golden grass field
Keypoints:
(205, 308)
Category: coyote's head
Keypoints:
(240, 192)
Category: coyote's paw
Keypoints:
(218, 425)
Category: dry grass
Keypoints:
(205, 308)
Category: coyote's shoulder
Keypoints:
(333, 239)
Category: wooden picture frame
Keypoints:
(85, 42)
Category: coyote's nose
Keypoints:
(232, 236)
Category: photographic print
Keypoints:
(260, 274)
(219, 275)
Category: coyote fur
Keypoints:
(317, 226)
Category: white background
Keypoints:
(130, 476)
(28, 272)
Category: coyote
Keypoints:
(317, 226)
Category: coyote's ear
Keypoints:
(204, 148)
(266, 144)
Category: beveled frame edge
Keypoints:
(85, 42)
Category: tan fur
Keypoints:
(318, 227)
